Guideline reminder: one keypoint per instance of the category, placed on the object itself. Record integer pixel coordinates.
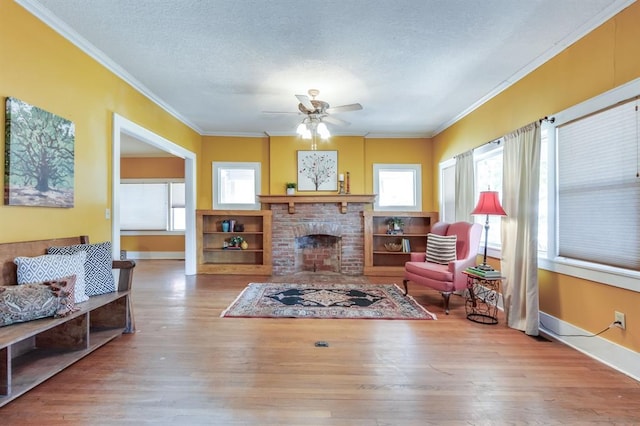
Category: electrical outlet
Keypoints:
(619, 319)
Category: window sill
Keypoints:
(616, 277)
(134, 233)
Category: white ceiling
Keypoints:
(416, 66)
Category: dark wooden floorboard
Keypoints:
(188, 366)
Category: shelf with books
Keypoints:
(378, 231)
(215, 242)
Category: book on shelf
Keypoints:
(492, 273)
(406, 246)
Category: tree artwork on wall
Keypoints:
(39, 157)
(317, 170)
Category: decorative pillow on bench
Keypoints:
(51, 267)
(98, 266)
(26, 302)
(441, 248)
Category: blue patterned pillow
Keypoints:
(97, 267)
(51, 267)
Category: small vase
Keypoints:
(291, 191)
(225, 226)
(244, 245)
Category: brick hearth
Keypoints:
(318, 219)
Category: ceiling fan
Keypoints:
(317, 110)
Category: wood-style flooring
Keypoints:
(187, 366)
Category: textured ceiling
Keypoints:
(416, 66)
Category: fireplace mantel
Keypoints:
(342, 200)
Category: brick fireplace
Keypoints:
(321, 234)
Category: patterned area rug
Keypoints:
(325, 300)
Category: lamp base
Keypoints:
(484, 267)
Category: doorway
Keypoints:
(122, 126)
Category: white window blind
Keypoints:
(598, 188)
(143, 206)
(448, 207)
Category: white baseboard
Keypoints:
(615, 356)
(178, 255)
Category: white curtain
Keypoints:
(465, 187)
(520, 184)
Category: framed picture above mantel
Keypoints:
(317, 170)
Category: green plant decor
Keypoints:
(397, 222)
(235, 241)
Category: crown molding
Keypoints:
(608, 13)
(81, 43)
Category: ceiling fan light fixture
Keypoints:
(302, 128)
(323, 131)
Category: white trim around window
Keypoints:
(550, 260)
(398, 186)
(236, 185)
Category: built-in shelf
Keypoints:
(292, 200)
(214, 258)
(378, 260)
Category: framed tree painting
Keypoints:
(317, 170)
(39, 157)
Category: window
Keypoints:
(399, 187)
(448, 191)
(236, 186)
(488, 176)
(597, 172)
(152, 205)
(594, 190)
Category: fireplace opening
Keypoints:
(319, 253)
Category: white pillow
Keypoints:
(53, 267)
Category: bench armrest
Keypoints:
(125, 278)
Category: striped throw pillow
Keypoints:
(441, 248)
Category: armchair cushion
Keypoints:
(438, 272)
(441, 248)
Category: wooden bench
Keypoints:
(31, 352)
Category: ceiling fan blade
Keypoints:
(344, 108)
(306, 102)
(281, 112)
(336, 121)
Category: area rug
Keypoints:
(325, 300)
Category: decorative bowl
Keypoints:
(393, 246)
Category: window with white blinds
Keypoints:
(448, 191)
(598, 187)
(152, 206)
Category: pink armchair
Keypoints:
(446, 278)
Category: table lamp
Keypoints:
(488, 204)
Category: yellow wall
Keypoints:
(284, 160)
(150, 168)
(404, 151)
(42, 68)
(606, 58)
(278, 156)
(228, 148)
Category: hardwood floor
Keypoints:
(187, 366)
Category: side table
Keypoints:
(482, 301)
